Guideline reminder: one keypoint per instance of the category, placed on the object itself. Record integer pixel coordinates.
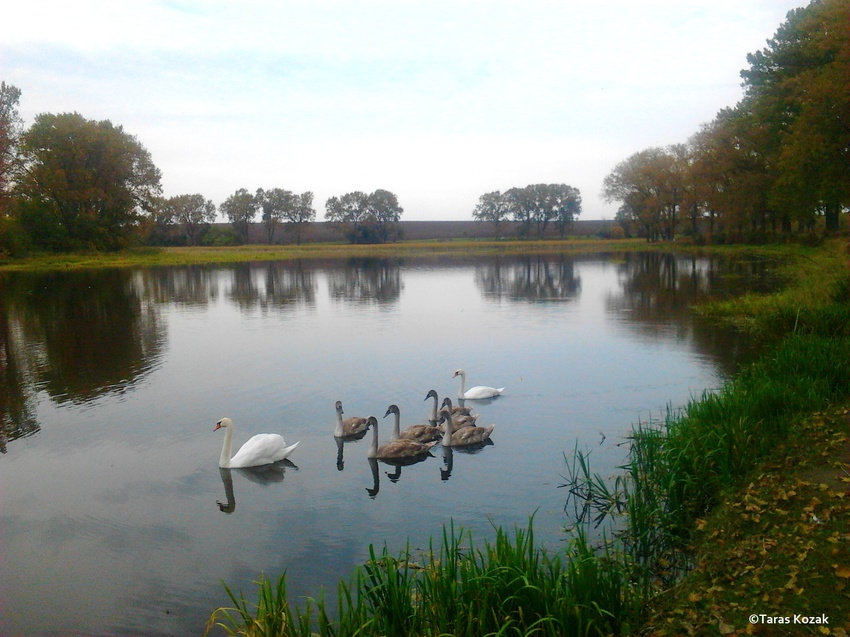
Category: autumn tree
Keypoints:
(240, 208)
(84, 184)
(650, 186)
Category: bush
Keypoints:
(220, 237)
(14, 242)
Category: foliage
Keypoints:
(536, 204)
(192, 212)
(282, 206)
(366, 218)
(492, 207)
(777, 161)
(85, 184)
(11, 127)
(240, 209)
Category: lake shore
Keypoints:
(171, 256)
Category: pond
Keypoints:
(116, 518)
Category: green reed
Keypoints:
(510, 586)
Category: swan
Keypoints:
(461, 419)
(350, 427)
(475, 393)
(419, 433)
(259, 450)
(457, 410)
(464, 436)
(405, 451)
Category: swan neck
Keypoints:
(450, 429)
(373, 450)
(396, 425)
(224, 461)
(462, 386)
(434, 410)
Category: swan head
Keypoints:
(224, 422)
(338, 406)
(431, 394)
(459, 372)
(392, 409)
(447, 402)
(372, 421)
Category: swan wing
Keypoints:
(421, 433)
(259, 450)
(404, 449)
(480, 391)
(471, 435)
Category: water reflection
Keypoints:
(76, 336)
(264, 476)
(366, 281)
(534, 278)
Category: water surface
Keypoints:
(115, 516)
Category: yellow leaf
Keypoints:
(842, 571)
(694, 597)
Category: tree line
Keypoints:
(775, 164)
(534, 206)
(69, 183)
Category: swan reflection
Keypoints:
(264, 476)
(395, 475)
(448, 456)
(341, 441)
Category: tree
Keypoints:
(300, 214)
(240, 209)
(798, 88)
(650, 186)
(85, 184)
(284, 206)
(193, 212)
(365, 218)
(274, 204)
(11, 127)
(493, 207)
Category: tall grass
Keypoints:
(510, 587)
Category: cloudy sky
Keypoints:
(438, 101)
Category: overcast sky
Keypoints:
(439, 101)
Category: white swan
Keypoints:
(259, 450)
(419, 433)
(397, 450)
(349, 427)
(464, 436)
(475, 393)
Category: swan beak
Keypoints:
(217, 426)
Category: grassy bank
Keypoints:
(146, 257)
(731, 506)
(151, 257)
